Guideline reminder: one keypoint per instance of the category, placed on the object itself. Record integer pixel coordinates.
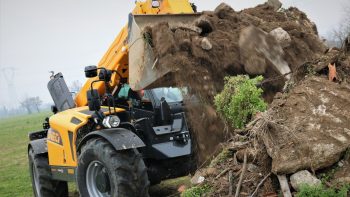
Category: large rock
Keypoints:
(311, 127)
(259, 50)
(303, 178)
(222, 10)
(275, 4)
(281, 36)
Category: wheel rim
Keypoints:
(36, 181)
(94, 169)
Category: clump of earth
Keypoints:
(225, 42)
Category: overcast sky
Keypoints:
(38, 36)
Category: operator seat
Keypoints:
(165, 112)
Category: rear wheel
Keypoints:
(43, 185)
(102, 171)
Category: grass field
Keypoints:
(14, 175)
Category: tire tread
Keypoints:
(130, 170)
(48, 187)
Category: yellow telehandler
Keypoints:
(117, 137)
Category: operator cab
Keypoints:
(152, 102)
(159, 119)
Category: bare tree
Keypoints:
(76, 86)
(31, 103)
(341, 33)
(27, 105)
(37, 102)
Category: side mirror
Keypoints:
(105, 75)
(93, 100)
(90, 71)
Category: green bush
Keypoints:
(240, 99)
(196, 191)
(322, 191)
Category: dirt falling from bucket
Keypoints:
(201, 59)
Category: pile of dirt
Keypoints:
(306, 127)
(203, 54)
(220, 44)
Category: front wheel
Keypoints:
(104, 172)
(43, 185)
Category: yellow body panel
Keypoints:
(63, 152)
(116, 58)
(175, 7)
(57, 154)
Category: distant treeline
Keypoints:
(10, 112)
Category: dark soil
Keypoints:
(308, 116)
(203, 70)
(306, 128)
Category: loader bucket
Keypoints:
(143, 68)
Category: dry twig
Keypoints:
(259, 185)
(244, 169)
(230, 180)
(222, 173)
(235, 162)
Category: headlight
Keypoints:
(111, 121)
(155, 4)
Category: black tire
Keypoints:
(125, 170)
(43, 185)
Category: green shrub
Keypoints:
(322, 191)
(240, 99)
(196, 191)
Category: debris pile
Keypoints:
(223, 42)
(305, 128)
(305, 132)
(256, 41)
